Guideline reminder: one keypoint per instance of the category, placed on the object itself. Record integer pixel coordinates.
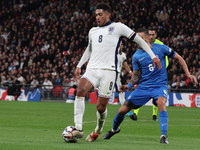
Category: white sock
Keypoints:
(101, 118)
(79, 109)
(122, 98)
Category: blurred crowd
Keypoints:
(45, 39)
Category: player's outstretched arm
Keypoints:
(135, 78)
(84, 58)
(185, 68)
(127, 67)
(77, 73)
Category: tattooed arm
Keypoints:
(135, 78)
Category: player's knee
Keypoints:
(161, 105)
(122, 112)
(101, 108)
(81, 91)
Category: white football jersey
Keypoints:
(121, 57)
(104, 43)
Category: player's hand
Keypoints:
(77, 73)
(123, 88)
(156, 61)
(193, 78)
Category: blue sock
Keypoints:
(117, 121)
(163, 118)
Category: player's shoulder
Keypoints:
(158, 42)
(93, 29)
(123, 54)
(117, 24)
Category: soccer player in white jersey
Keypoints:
(102, 50)
(121, 56)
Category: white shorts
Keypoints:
(118, 83)
(102, 79)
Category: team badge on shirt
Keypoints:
(110, 30)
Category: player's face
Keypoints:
(102, 17)
(144, 37)
(152, 37)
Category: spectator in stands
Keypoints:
(53, 78)
(34, 82)
(20, 77)
(28, 79)
(54, 71)
(23, 82)
(66, 81)
(3, 80)
(71, 94)
(47, 88)
(30, 61)
(14, 88)
(58, 80)
(41, 78)
(178, 84)
(35, 27)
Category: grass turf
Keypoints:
(39, 125)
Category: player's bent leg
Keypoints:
(126, 107)
(84, 87)
(163, 118)
(79, 106)
(122, 100)
(101, 118)
(79, 109)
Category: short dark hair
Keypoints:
(124, 42)
(104, 6)
(153, 29)
(146, 32)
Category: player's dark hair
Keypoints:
(124, 42)
(146, 32)
(153, 29)
(104, 6)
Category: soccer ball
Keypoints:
(67, 130)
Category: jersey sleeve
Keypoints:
(135, 63)
(168, 51)
(86, 55)
(125, 31)
(89, 37)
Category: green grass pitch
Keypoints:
(39, 125)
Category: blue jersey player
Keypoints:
(153, 84)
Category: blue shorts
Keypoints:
(141, 95)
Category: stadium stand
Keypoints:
(46, 38)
